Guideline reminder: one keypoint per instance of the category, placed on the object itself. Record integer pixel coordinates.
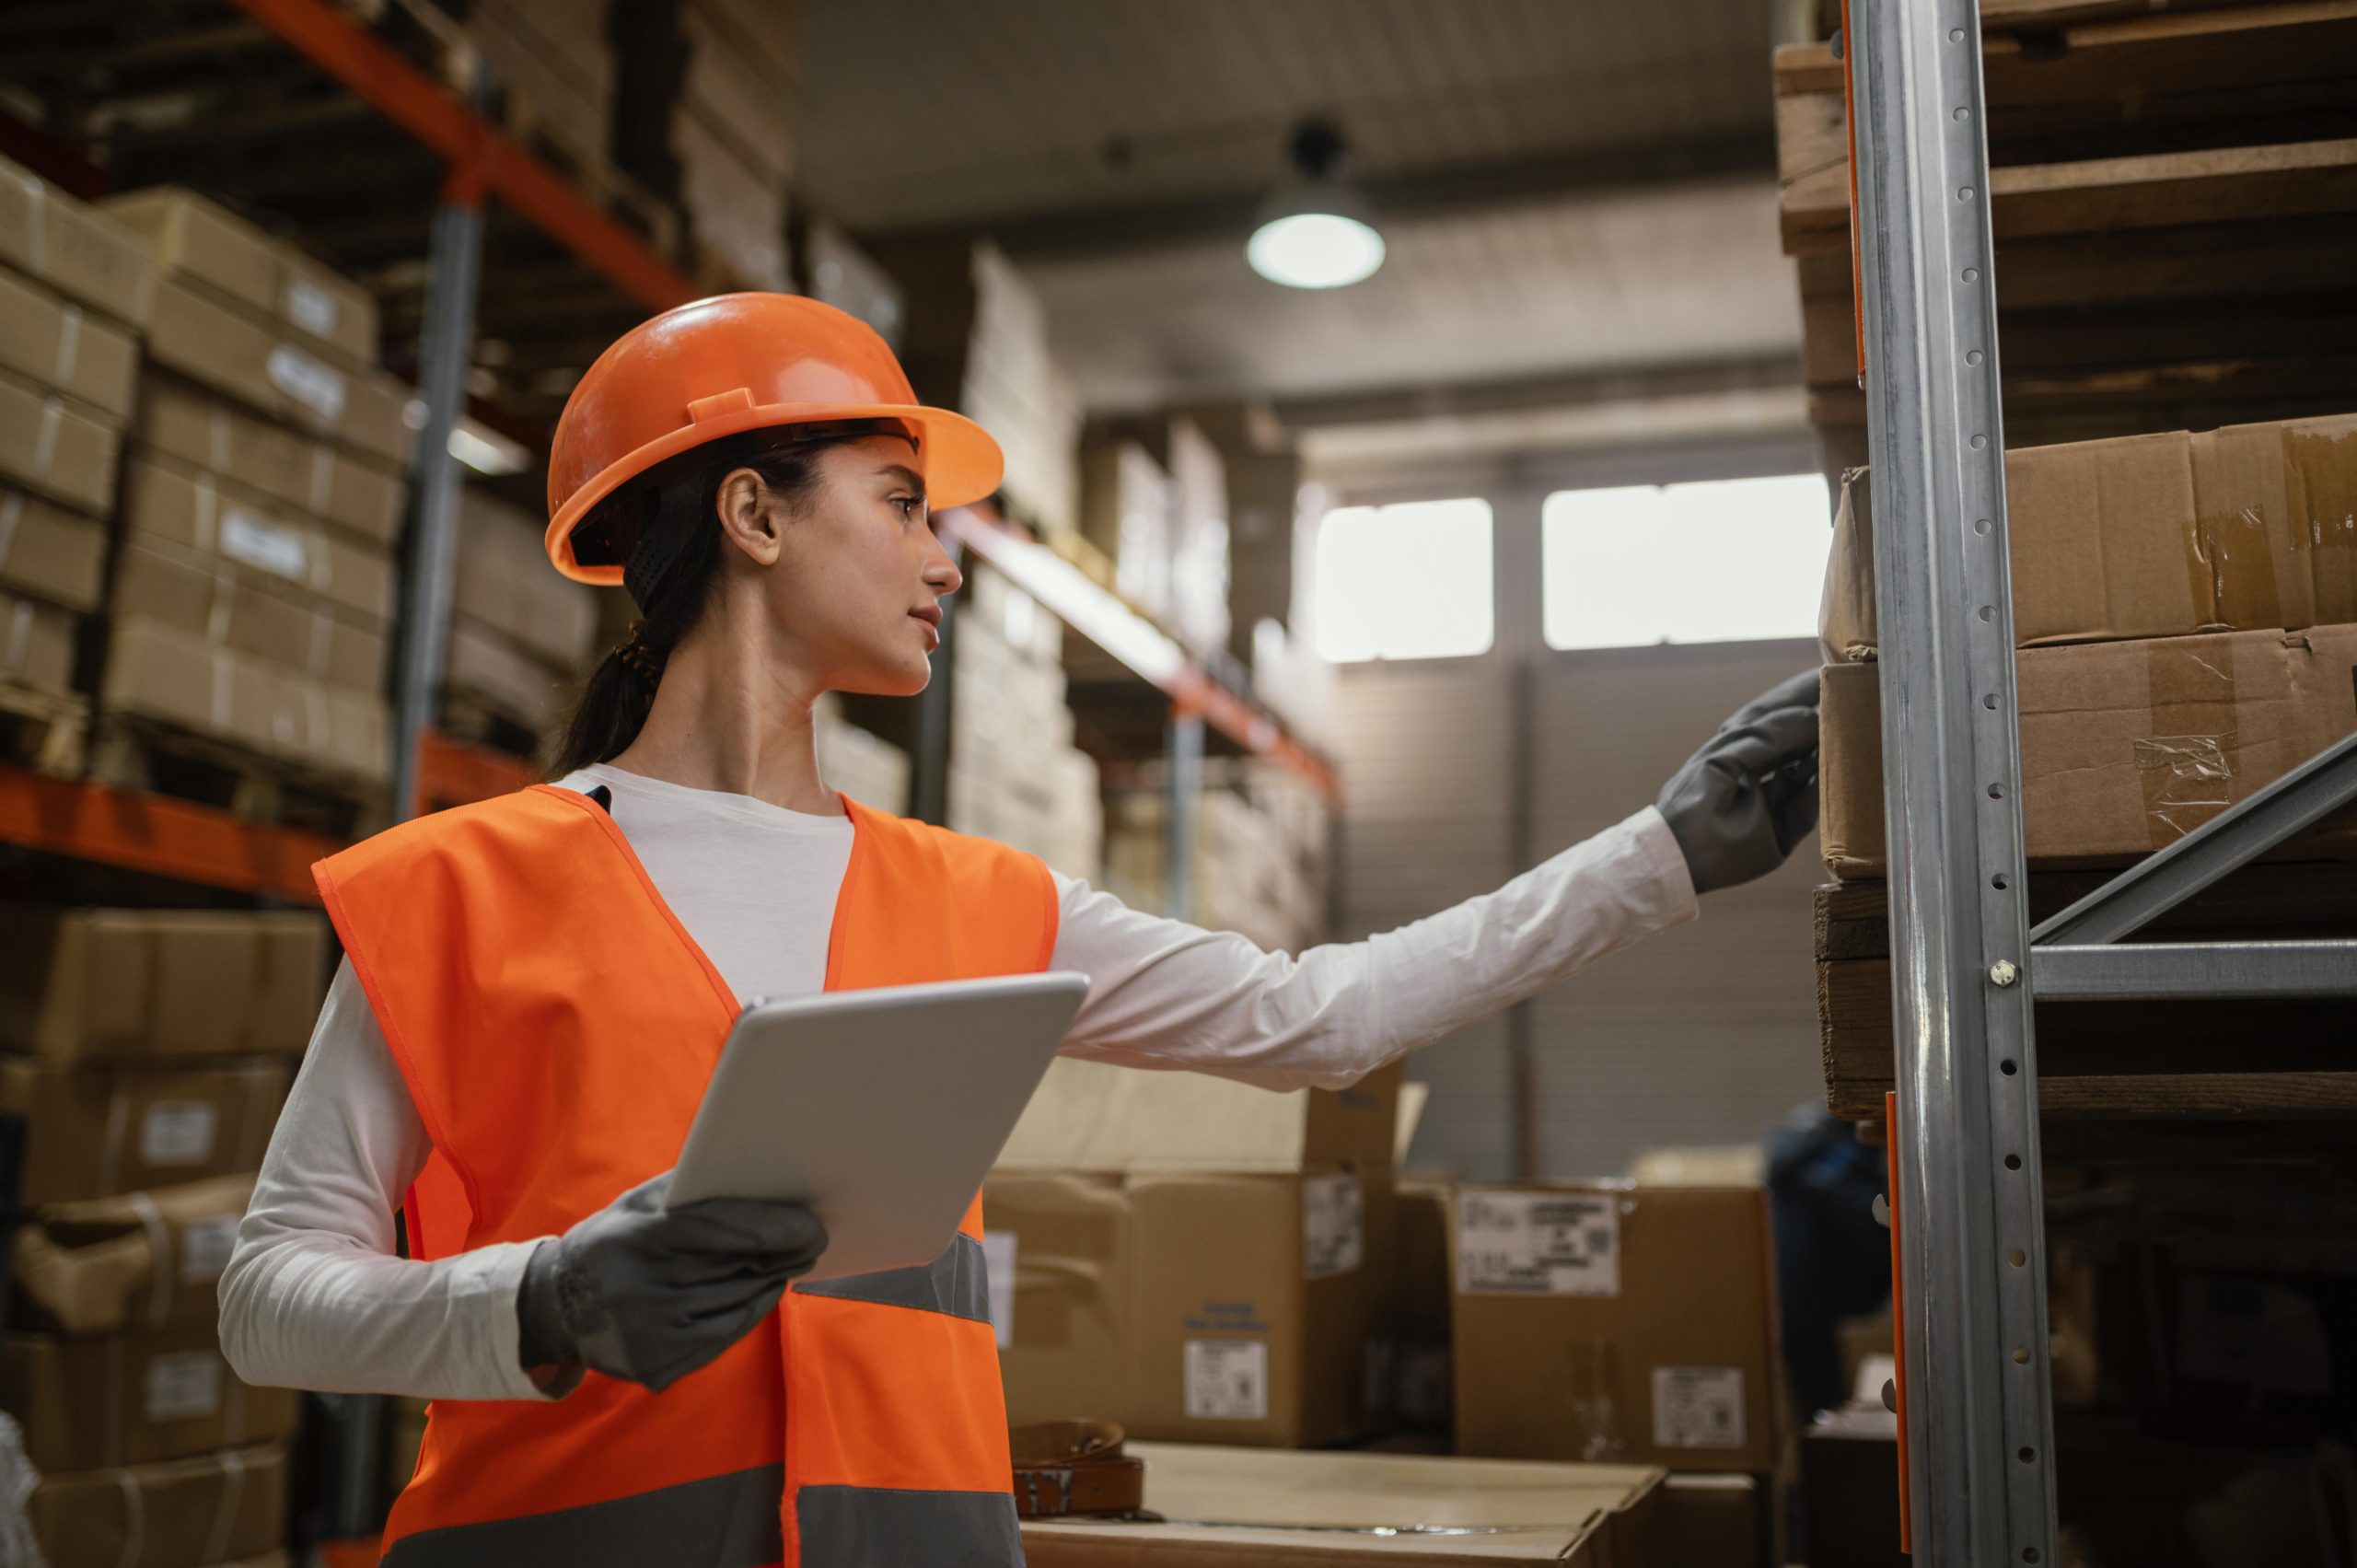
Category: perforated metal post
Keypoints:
(1979, 1405)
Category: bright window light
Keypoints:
(1725, 561)
(1410, 581)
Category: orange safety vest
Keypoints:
(556, 1027)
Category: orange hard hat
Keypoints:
(734, 362)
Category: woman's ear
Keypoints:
(749, 516)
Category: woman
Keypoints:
(536, 987)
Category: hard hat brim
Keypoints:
(961, 462)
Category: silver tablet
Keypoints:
(882, 1110)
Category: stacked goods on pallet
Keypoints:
(1260, 853)
(520, 634)
(149, 1052)
(552, 66)
(977, 338)
(871, 770)
(1153, 500)
(1014, 774)
(836, 272)
(2185, 612)
(1196, 1260)
(255, 585)
(77, 290)
(732, 132)
(2171, 195)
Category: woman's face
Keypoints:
(856, 594)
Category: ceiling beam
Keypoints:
(1568, 389)
(1146, 225)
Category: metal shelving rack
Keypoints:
(1975, 1401)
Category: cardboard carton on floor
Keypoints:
(208, 431)
(97, 1131)
(1611, 1321)
(172, 1513)
(140, 1261)
(2125, 747)
(194, 239)
(1090, 1116)
(159, 672)
(2250, 528)
(1208, 1309)
(75, 249)
(97, 985)
(1718, 1521)
(55, 445)
(1247, 1508)
(52, 553)
(213, 343)
(36, 644)
(133, 1398)
(56, 342)
(249, 612)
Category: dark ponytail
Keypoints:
(665, 526)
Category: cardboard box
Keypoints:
(2125, 747)
(1093, 1117)
(1717, 1521)
(50, 552)
(98, 1130)
(2250, 528)
(503, 581)
(50, 444)
(205, 431)
(134, 1398)
(191, 509)
(140, 1261)
(1611, 1321)
(174, 1514)
(1211, 1309)
(234, 607)
(100, 985)
(1420, 1372)
(1248, 1508)
(276, 373)
(36, 644)
(193, 239)
(54, 342)
(1849, 1489)
(158, 672)
(482, 665)
(75, 249)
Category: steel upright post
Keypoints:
(1186, 772)
(1979, 1419)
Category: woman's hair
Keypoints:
(666, 524)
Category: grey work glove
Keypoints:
(639, 1293)
(1744, 800)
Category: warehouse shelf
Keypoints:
(158, 834)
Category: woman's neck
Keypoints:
(728, 716)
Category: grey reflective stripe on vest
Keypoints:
(868, 1527)
(727, 1521)
(957, 1282)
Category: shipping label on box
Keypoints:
(199, 336)
(138, 1260)
(209, 432)
(1333, 1225)
(1538, 1244)
(1226, 1379)
(1698, 1407)
(134, 1398)
(97, 1131)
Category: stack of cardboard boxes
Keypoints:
(1153, 498)
(255, 585)
(1014, 774)
(1197, 1259)
(77, 290)
(2186, 608)
(552, 62)
(519, 634)
(732, 132)
(867, 767)
(150, 1051)
(1260, 853)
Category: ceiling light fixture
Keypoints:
(1312, 231)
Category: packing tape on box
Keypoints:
(52, 420)
(322, 645)
(36, 222)
(160, 1268)
(219, 606)
(323, 478)
(2187, 775)
(224, 1517)
(208, 515)
(69, 345)
(225, 677)
(134, 1517)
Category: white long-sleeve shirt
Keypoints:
(314, 1297)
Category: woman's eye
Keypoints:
(910, 505)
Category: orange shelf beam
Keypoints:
(157, 834)
(480, 155)
(451, 773)
(1129, 637)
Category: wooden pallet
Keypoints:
(138, 754)
(44, 730)
(2123, 1060)
(2175, 199)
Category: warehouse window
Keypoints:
(1409, 581)
(1709, 563)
